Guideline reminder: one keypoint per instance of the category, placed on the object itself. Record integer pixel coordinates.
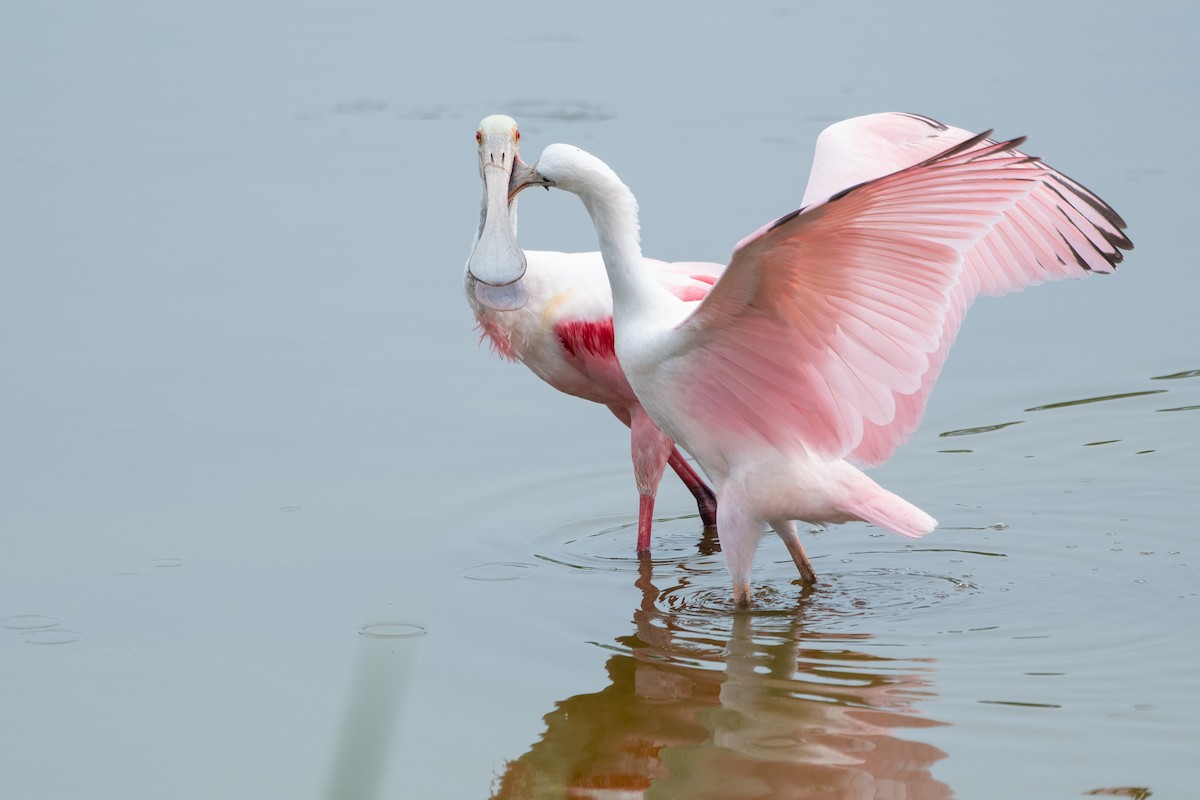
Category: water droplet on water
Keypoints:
(392, 630)
(500, 571)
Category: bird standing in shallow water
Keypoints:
(817, 348)
(555, 316)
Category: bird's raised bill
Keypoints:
(497, 261)
(526, 175)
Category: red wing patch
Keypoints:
(594, 337)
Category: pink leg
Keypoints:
(706, 501)
(791, 537)
(645, 520)
(651, 449)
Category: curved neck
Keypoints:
(614, 213)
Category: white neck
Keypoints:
(637, 297)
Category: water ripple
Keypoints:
(28, 622)
(52, 636)
(608, 543)
(888, 592)
(1191, 373)
(392, 630)
(688, 563)
(980, 429)
(1132, 792)
(1101, 399)
(500, 571)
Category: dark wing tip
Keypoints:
(786, 218)
(962, 146)
(933, 123)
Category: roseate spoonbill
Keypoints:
(553, 313)
(819, 344)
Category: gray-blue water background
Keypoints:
(244, 418)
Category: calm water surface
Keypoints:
(273, 525)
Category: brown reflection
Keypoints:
(794, 713)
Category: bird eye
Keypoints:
(479, 136)
(517, 134)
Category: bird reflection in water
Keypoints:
(705, 703)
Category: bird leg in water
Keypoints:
(706, 501)
(645, 521)
(791, 537)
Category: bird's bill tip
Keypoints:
(523, 176)
(497, 262)
(509, 297)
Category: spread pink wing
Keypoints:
(827, 318)
(1026, 247)
(861, 149)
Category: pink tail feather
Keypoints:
(893, 513)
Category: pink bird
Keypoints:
(815, 351)
(554, 314)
